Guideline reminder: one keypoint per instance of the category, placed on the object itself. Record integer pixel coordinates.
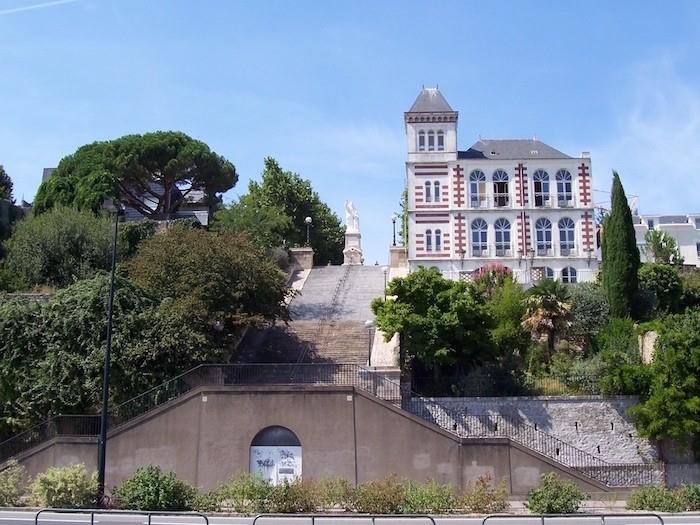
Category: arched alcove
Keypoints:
(275, 455)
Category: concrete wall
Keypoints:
(205, 438)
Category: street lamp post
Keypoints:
(393, 222)
(369, 325)
(385, 270)
(102, 444)
(308, 222)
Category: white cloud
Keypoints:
(42, 5)
(655, 145)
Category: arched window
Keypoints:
(438, 240)
(541, 181)
(548, 273)
(428, 240)
(431, 140)
(428, 197)
(543, 235)
(440, 141)
(565, 197)
(275, 455)
(436, 193)
(568, 275)
(421, 141)
(477, 188)
(479, 238)
(501, 197)
(566, 236)
(502, 227)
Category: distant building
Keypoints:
(685, 229)
(517, 203)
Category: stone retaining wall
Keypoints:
(597, 425)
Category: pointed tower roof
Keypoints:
(430, 106)
(430, 100)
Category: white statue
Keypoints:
(352, 218)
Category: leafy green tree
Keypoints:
(665, 283)
(59, 247)
(620, 254)
(547, 311)
(590, 312)
(218, 280)
(153, 173)
(506, 306)
(266, 226)
(5, 184)
(280, 202)
(672, 409)
(444, 324)
(51, 354)
(662, 248)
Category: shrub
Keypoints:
(11, 479)
(152, 489)
(379, 497)
(294, 496)
(658, 499)
(691, 497)
(10, 282)
(245, 493)
(483, 497)
(590, 311)
(427, 498)
(554, 496)
(335, 493)
(131, 234)
(65, 487)
(665, 282)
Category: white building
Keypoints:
(518, 203)
(685, 229)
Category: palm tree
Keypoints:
(547, 311)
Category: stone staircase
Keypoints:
(328, 320)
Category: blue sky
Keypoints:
(322, 87)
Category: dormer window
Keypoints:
(421, 141)
(440, 141)
(431, 140)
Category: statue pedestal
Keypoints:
(352, 253)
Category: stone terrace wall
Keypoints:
(586, 422)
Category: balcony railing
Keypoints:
(542, 200)
(481, 250)
(502, 251)
(478, 201)
(567, 250)
(565, 202)
(544, 251)
(501, 200)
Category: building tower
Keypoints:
(517, 203)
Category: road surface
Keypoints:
(27, 518)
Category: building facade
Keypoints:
(516, 203)
(685, 229)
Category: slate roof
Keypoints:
(511, 149)
(430, 100)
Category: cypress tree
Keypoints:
(620, 254)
